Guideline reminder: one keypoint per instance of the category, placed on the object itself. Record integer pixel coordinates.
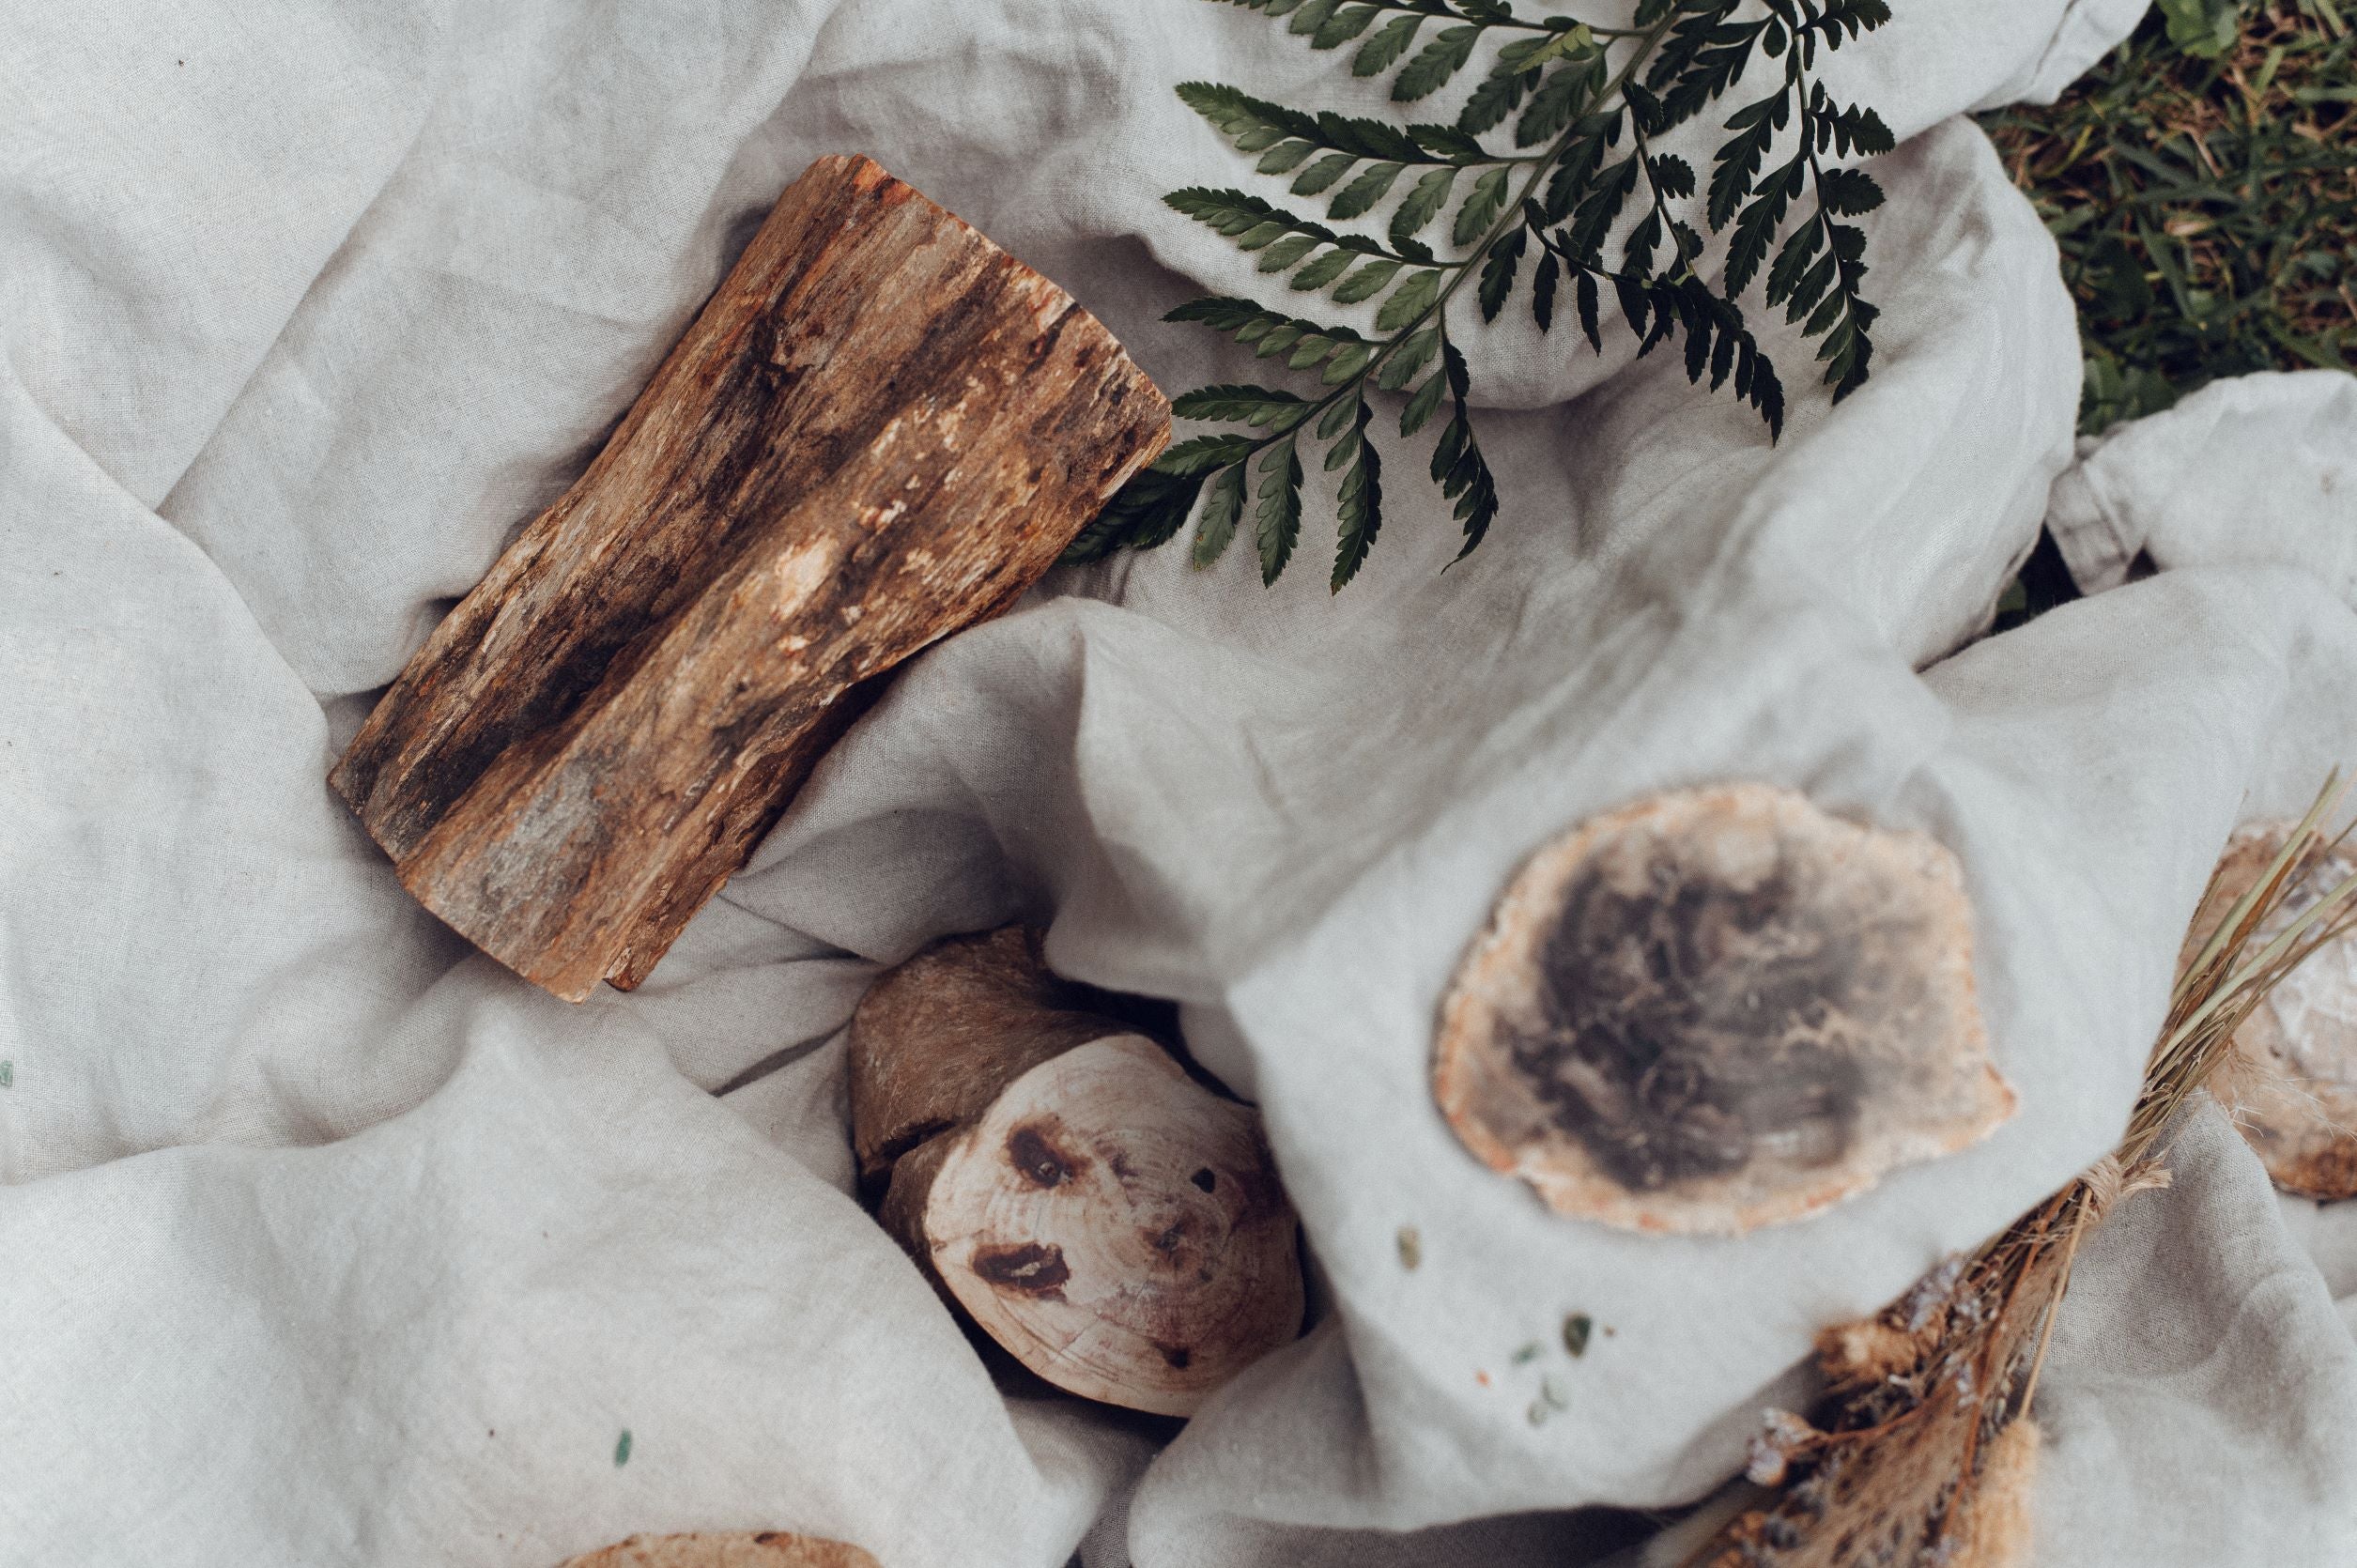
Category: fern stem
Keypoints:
(1660, 204)
(1443, 13)
(1510, 217)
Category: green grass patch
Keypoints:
(2201, 183)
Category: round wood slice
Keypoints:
(2290, 1083)
(766, 1548)
(1118, 1227)
(1716, 1010)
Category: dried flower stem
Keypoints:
(1895, 1454)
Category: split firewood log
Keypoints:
(1112, 1224)
(2289, 1083)
(881, 428)
(767, 1548)
(1719, 1009)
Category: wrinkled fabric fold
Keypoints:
(326, 1241)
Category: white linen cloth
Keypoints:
(327, 1243)
(2249, 468)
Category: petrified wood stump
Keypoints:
(1113, 1224)
(767, 1548)
(2290, 1083)
(881, 428)
(1719, 1009)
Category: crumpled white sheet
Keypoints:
(329, 1242)
(2201, 1394)
(2250, 469)
(2200, 1400)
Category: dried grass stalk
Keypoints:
(2290, 1083)
(1921, 1450)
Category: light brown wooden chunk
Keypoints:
(882, 428)
(937, 1037)
(1716, 1010)
(2290, 1083)
(1113, 1224)
(766, 1548)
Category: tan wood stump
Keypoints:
(766, 1548)
(1719, 1009)
(882, 428)
(1109, 1221)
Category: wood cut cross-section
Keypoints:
(881, 428)
(1109, 1221)
(1118, 1228)
(1719, 1009)
(767, 1548)
(2289, 1083)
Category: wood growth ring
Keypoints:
(1719, 1009)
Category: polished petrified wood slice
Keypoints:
(880, 429)
(1719, 1009)
(767, 1548)
(2290, 1081)
(1109, 1221)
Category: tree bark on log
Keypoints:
(880, 429)
(1113, 1224)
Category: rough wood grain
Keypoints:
(1719, 1009)
(1107, 1220)
(766, 1548)
(880, 429)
